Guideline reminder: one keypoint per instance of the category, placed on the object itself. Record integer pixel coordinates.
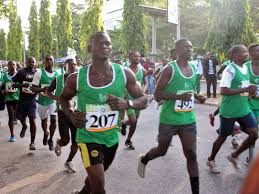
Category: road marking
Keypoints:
(30, 180)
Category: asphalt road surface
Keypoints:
(41, 171)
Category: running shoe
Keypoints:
(12, 139)
(141, 167)
(247, 162)
(58, 148)
(123, 129)
(129, 145)
(234, 161)
(70, 167)
(75, 192)
(22, 134)
(212, 118)
(213, 167)
(234, 143)
(15, 121)
(45, 138)
(51, 146)
(32, 146)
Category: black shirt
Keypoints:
(25, 74)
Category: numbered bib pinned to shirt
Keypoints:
(245, 84)
(10, 88)
(100, 118)
(184, 105)
(43, 86)
(27, 90)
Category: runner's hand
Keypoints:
(117, 103)
(184, 96)
(25, 85)
(251, 90)
(78, 119)
(201, 99)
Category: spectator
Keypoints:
(210, 73)
(150, 68)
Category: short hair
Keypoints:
(180, 42)
(236, 49)
(49, 55)
(30, 57)
(10, 62)
(172, 52)
(132, 52)
(251, 47)
(97, 35)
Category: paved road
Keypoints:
(40, 171)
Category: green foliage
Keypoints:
(64, 30)
(34, 46)
(233, 27)
(133, 33)
(92, 21)
(3, 45)
(5, 8)
(45, 29)
(14, 38)
(255, 13)
(156, 3)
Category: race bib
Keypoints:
(245, 84)
(43, 86)
(27, 90)
(10, 88)
(100, 118)
(184, 106)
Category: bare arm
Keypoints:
(160, 94)
(230, 92)
(51, 89)
(144, 79)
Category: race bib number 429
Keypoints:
(184, 105)
(100, 118)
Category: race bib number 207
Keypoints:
(100, 118)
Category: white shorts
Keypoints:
(44, 111)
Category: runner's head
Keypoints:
(239, 54)
(31, 62)
(79, 61)
(70, 66)
(49, 61)
(254, 51)
(11, 65)
(183, 48)
(134, 57)
(100, 46)
(173, 55)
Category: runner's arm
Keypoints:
(36, 83)
(144, 79)
(51, 89)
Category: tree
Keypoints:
(14, 38)
(5, 8)
(234, 27)
(34, 47)
(92, 21)
(255, 13)
(3, 45)
(45, 29)
(64, 30)
(133, 33)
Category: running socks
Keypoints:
(195, 185)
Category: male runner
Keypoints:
(176, 88)
(253, 70)
(235, 88)
(47, 106)
(100, 94)
(64, 124)
(11, 96)
(27, 106)
(133, 115)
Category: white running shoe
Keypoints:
(141, 167)
(58, 148)
(70, 167)
(234, 161)
(213, 167)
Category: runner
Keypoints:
(253, 69)
(176, 88)
(64, 124)
(133, 115)
(27, 106)
(47, 106)
(11, 96)
(100, 91)
(234, 107)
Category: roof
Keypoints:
(152, 11)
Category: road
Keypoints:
(42, 172)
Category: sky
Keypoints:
(23, 10)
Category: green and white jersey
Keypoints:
(254, 79)
(235, 77)
(14, 92)
(179, 112)
(102, 123)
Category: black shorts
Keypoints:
(27, 108)
(93, 153)
(12, 103)
(64, 124)
(227, 124)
